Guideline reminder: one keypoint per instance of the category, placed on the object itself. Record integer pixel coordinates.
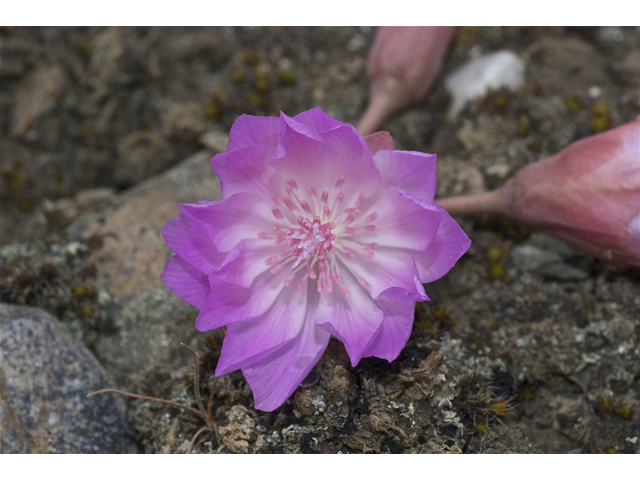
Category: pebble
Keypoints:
(491, 71)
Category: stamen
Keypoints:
(280, 238)
(302, 283)
(310, 272)
(372, 217)
(352, 210)
(372, 246)
(340, 197)
(277, 269)
(275, 199)
(351, 231)
(305, 206)
(277, 213)
(291, 183)
(324, 197)
(288, 203)
(349, 253)
(364, 284)
(271, 260)
(371, 228)
(289, 279)
(368, 254)
(311, 190)
(361, 198)
(326, 210)
(265, 236)
(284, 252)
(339, 182)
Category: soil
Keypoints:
(505, 358)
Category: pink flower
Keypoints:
(587, 194)
(316, 235)
(402, 65)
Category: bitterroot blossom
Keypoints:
(402, 65)
(587, 195)
(320, 232)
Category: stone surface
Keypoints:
(141, 155)
(150, 321)
(37, 95)
(45, 376)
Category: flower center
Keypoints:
(313, 240)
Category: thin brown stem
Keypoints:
(193, 440)
(144, 397)
(486, 202)
(196, 377)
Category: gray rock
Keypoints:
(215, 140)
(530, 258)
(45, 376)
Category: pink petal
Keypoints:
(274, 378)
(353, 320)
(248, 342)
(186, 281)
(244, 170)
(183, 237)
(250, 262)
(303, 155)
(317, 120)
(379, 141)
(414, 172)
(228, 303)
(446, 248)
(226, 223)
(391, 274)
(248, 130)
(403, 221)
(394, 332)
(354, 161)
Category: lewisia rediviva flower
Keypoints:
(320, 232)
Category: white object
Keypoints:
(493, 70)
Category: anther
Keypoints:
(311, 190)
(339, 182)
(372, 217)
(340, 197)
(289, 279)
(271, 260)
(324, 197)
(368, 254)
(371, 228)
(280, 238)
(310, 272)
(305, 206)
(361, 198)
(265, 236)
(364, 284)
(291, 183)
(288, 203)
(301, 283)
(326, 210)
(284, 252)
(277, 269)
(349, 253)
(372, 246)
(351, 231)
(277, 213)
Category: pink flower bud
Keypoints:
(402, 65)
(587, 195)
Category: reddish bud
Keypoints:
(587, 194)
(402, 65)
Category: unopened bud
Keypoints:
(402, 65)
(587, 195)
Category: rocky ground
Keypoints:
(526, 346)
